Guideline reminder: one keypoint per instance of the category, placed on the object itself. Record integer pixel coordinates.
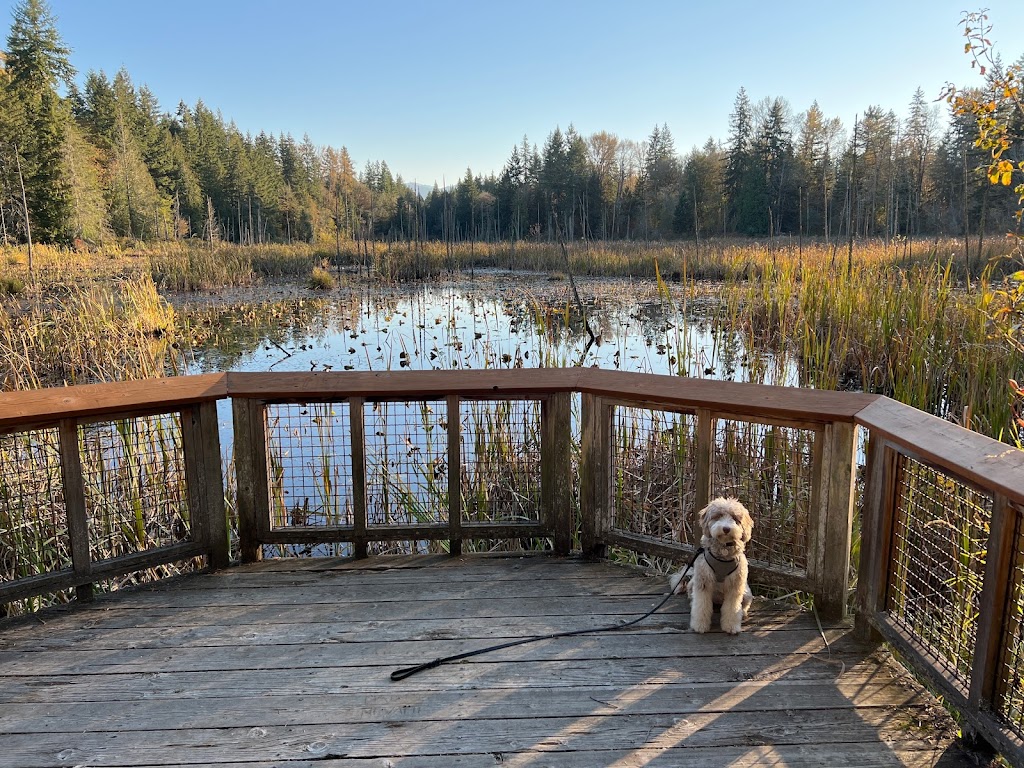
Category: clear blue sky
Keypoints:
(438, 85)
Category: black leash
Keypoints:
(401, 674)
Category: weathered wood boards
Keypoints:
(288, 663)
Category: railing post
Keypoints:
(357, 424)
(595, 478)
(556, 469)
(74, 504)
(992, 614)
(833, 528)
(454, 475)
(251, 469)
(876, 535)
(204, 476)
(702, 470)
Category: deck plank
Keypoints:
(287, 664)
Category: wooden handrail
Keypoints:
(727, 396)
(681, 392)
(401, 384)
(896, 431)
(976, 458)
(84, 400)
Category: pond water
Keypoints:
(496, 320)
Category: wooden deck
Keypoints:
(287, 663)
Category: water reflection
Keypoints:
(495, 321)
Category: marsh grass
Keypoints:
(88, 334)
(135, 496)
(321, 280)
(915, 328)
(653, 475)
(941, 532)
(913, 334)
(191, 267)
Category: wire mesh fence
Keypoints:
(769, 468)
(940, 536)
(500, 473)
(309, 453)
(134, 477)
(406, 463)
(1010, 689)
(652, 470)
(501, 461)
(33, 518)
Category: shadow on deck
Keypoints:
(287, 662)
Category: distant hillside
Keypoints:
(420, 189)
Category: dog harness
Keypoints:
(722, 568)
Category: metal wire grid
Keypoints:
(135, 493)
(769, 468)
(33, 519)
(406, 463)
(501, 460)
(1010, 696)
(309, 452)
(653, 478)
(940, 534)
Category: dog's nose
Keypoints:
(726, 529)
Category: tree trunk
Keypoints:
(967, 228)
(853, 189)
(24, 205)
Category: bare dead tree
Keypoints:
(24, 205)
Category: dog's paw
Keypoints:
(732, 627)
(676, 583)
(700, 627)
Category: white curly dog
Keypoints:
(720, 570)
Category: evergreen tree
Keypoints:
(36, 119)
(82, 160)
(700, 210)
(773, 153)
(744, 187)
(816, 171)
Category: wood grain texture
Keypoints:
(284, 663)
(73, 485)
(834, 512)
(357, 420)
(247, 470)
(978, 459)
(727, 397)
(455, 461)
(50, 405)
(410, 385)
(556, 469)
(980, 722)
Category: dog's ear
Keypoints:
(747, 524)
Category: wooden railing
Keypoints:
(942, 562)
(102, 480)
(613, 464)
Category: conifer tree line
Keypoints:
(106, 160)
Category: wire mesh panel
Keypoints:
(135, 493)
(653, 478)
(406, 463)
(769, 468)
(500, 473)
(33, 519)
(940, 534)
(1010, 696)
(309, 452)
